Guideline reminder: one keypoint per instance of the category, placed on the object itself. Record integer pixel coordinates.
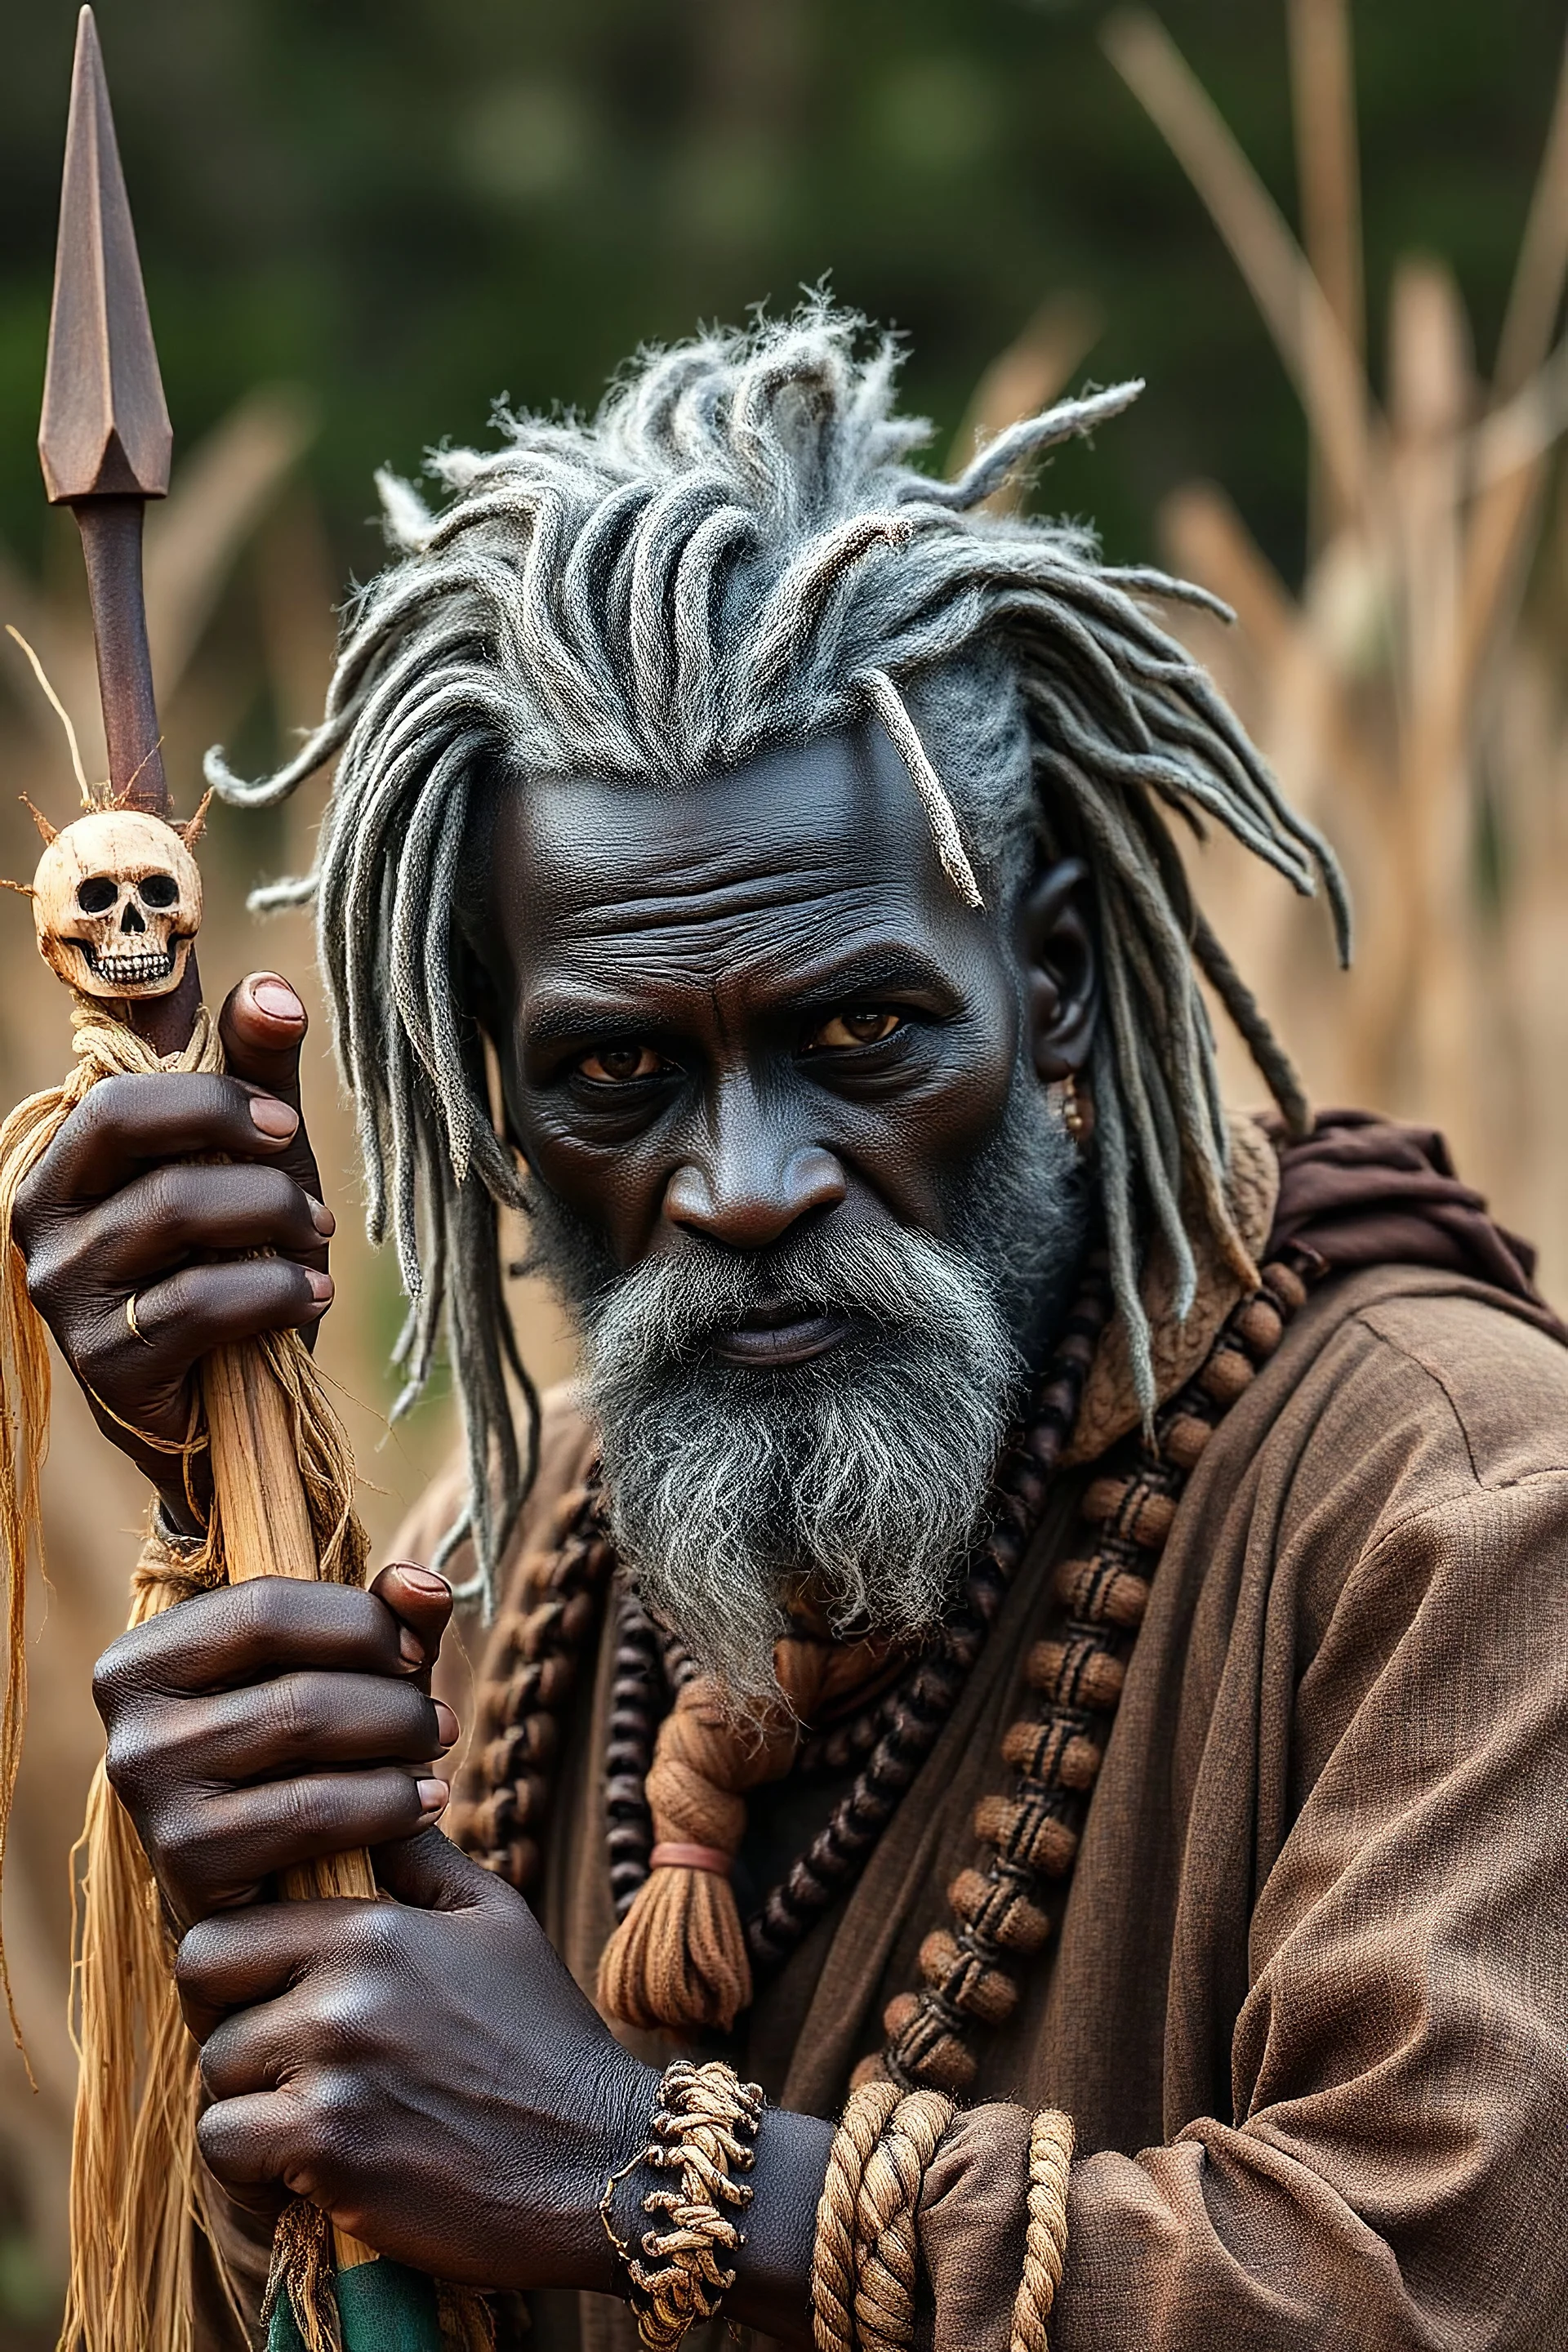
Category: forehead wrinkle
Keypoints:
(690, 894)
(733, 919)
(717, 960)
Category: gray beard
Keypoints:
(867, 1470)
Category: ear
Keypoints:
(1055, 938)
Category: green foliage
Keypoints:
(416, 206)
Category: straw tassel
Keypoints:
(677, 1960)
(139, 2192)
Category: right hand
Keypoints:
(253, 1728)
(119, 1208)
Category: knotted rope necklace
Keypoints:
(1030, 1831)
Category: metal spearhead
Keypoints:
(105, 430)
(105, 441)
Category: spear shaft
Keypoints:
(105, 444)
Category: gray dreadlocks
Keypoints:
(736, 552)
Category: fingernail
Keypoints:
(321, 1217)
(275, 996)
(423, 1580)
(446, 1724)
(273, 1118)
(321, 1285)
(410, 1647)
(433, 1796)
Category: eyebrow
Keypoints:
(880, 969)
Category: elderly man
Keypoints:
(1043, 1605)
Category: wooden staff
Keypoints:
(105, 442)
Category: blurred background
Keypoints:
(1332, 241)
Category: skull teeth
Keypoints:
(132, 970)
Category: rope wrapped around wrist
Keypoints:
(704, 2129)
(865, 2262)
(1046, 2243)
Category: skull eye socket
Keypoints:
(96, 894)
(158, 889)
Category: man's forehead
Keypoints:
(838, 814)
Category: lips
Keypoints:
(774, 1338)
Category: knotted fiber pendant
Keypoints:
(677, 1962)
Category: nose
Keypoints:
(132, 919)
(749, 1185)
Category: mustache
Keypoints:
(666, 1312)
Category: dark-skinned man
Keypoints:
(968, 1632)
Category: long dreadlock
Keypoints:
(737, 552)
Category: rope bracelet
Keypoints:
(704, 2130)
(865, 2262)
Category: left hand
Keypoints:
(430, 2075)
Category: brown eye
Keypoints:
(860, 1025)
(618, 1066)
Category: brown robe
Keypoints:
(1307, 2003)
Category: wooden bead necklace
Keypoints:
(1032, 1831)
(999, 1910)
(502, 1795)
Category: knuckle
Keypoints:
(165, 1200)
(309, 1807)
(45, 1271)
(339, 2021)
(113, 1107)
(129, 1759)
(183, 1296)
(29, 1210)
(337, 2109)
(182, 1842)
(396, 1799)
(112, 1677)
(283, 1198)
(294, 1714)
(212, 2139)
(263, 1613)
(31, 1192)
(193, 1959)
(378, 1942)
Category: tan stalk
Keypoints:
(1328, 174)
(1317, 356)
(1506, 515)
(1431, 394)
(1537, 292)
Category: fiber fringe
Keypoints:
(139, 2193)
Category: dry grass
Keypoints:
(1407, 694)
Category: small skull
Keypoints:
(116, 901)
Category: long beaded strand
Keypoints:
(1000, 1918)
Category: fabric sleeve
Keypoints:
(971, 2220)
(1387, 2178)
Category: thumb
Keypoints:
(262, 1027)
(428, 1871)
(420, 1599)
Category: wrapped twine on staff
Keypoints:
(139, 2192)
(282, 1477)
